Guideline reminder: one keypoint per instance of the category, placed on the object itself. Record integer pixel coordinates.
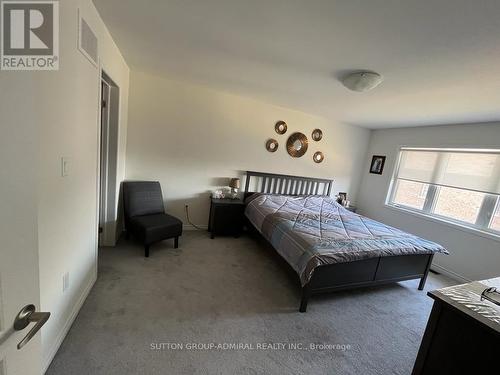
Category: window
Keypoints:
(495, 221)
(410, 194)
(457, 185)
(462, 205)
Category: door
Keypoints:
(108, 161)
(103, 161)
(19, 283)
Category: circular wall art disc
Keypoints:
(271, 145)
(296, 145)
(281, 127)
(317, 134)
(318, 157)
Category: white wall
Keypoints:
(193, 139)
(473, 256)
(64, 105)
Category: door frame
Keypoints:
(107, 162)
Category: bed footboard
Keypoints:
(367, 272)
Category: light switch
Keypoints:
(65, 164)
(65, 281)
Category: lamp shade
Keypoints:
(234, 183)
(362, 81)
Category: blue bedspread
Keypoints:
(312, 231)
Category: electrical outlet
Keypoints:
(65, 165)
(65, 281)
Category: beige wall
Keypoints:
(193, 139)
(63, 108)
(473, 256)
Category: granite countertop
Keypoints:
(467, 299)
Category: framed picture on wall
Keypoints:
(342, 198)
(377, 165)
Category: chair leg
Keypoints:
(146, 251)
(306, 293)
(176, 242)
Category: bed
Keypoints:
(329, 247)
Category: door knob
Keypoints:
(26, 316)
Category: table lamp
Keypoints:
(234, 184)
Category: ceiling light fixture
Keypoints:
(362, 81)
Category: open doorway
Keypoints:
(108, 161)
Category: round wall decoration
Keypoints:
(271, 145)
(281, 127)
(296, 145)
(317, 134)
(318, 157)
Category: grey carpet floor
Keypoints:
(235, 291)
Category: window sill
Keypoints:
(463, 228)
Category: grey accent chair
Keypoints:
(145, 216)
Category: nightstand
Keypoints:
(226, 217)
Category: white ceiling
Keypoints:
(440, 58)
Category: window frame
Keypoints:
(484, 218)
(493, 213)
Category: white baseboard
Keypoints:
(191, 227)
(64, 331)
(451, 274)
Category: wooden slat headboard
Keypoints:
(270, 183)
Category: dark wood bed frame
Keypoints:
(334, 277)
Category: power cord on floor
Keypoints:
(189, 220)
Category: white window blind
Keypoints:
(475, 170)
(459, 186)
